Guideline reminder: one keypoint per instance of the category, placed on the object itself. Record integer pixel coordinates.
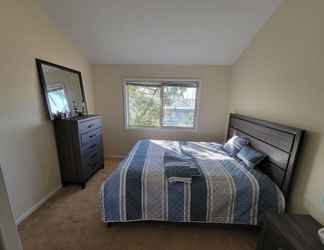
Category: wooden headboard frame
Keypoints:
(280, 143)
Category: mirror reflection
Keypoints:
(63, 91)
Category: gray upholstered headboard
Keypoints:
(280, 143)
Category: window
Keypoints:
(161, 104)
(58, 100)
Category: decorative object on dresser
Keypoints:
(80, 150)
(288, 232)
(78, 135)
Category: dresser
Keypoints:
(289, 232)
(80, 149)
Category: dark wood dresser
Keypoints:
(289, 232)
(80, 149)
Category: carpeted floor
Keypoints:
(72, 220)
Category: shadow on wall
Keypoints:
(305, 165)
(31, 162)
(46, 152)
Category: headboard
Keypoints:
(280, 143)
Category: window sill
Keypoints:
(164, 129)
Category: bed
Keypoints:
(226, 192)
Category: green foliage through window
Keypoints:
(154, 105)
(143, 106)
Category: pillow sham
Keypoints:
(251, 157)
(234, 145)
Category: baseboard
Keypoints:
(114, 156)
(26, 214)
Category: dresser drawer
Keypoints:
(93, 157)
(91, 148)
(91, 162)
(90, 137)
(88, 125)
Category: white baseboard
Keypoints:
(24, 216)
(114, 156)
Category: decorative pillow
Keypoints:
(250, 157)
(234, 145)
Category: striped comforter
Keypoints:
(226, 192)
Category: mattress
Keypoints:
(226, 192)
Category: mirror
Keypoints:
(62, 90)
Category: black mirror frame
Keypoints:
(39, 63)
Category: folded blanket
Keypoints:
(180, 179)
(180, 168)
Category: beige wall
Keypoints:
(27, 146)
(280, 77)
(108, 80)
(9, 238)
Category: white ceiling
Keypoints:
(161, 31)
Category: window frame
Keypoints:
(159, 81)
(55, 87)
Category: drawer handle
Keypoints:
(93, 146)
(93, 156)
(90, 126)
(90, 136)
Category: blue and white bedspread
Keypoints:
(226, 192)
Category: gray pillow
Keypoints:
(251, 157)
(234, 145)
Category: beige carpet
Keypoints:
(72, 220)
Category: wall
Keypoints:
(27, 146)
(280, 77)
(9, 238)
(108, 80)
